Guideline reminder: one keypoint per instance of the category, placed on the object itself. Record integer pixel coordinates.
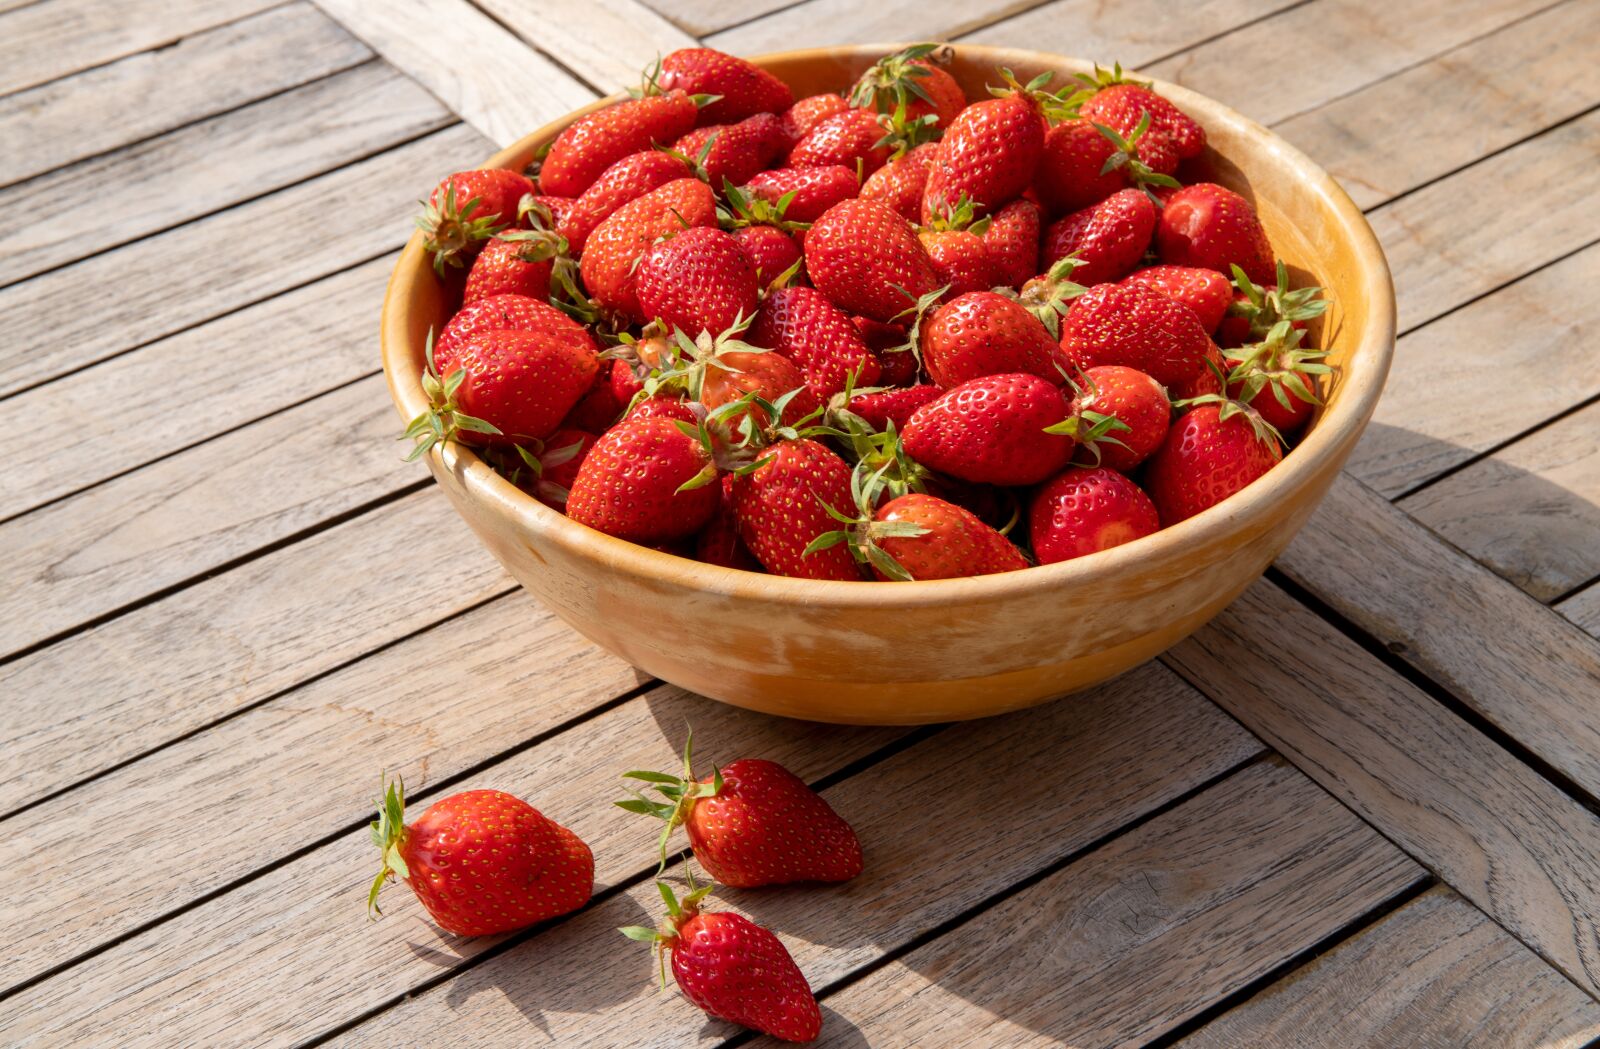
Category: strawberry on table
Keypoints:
(593, 143)
(1205, 291)
(900, 182)
(1138, 327)
(646, 481)
(468, 208)
(985, 333)
(482, 862)
(1212, 226)
(610, 261)
(1083, 510)
(1108, 238)
(867, 260)
(697, 280)
(743, 88)
(1216, 448)
(995, 429)
(628, 179)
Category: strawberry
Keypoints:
(468, 208)
(646, 481)
(815, 189)
(1133, 399)
(697, 280)
(866, 259)
(1204, 291)
(718, 542)
(847, 139)
(718, 370)
(670, 408)
(802, 325)
(1211, 226)
(990, 151)
(1013, 241)
(961, 260)
(744, 88)
(482, 862)
(1207, 381)
(1109, 237)
(516, 262)
(913, 78)
(1138, 327)
(895, 406)
(733, 152)
(1277, 378)
(591, 144)
(810, 111)
(1216, 448)
(900, 182)
(612, 256)
(612, 390)
(551, 212)
(891, 348)
(993, 430)
(1084, 163)
(918, 537)
(497, 313)
(628, 179)
(780, 504)
(733, 969)
(770, 250)
(985, 333)
(1256, 309)
(1121, 103)
(1086, 509)
(548, 467)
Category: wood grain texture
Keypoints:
(1434, 415)
(226, 373)
(699, 17)
(175, 665)
(1449, 617)
(1070, 772)
(1491, 828)
(165, 181)
(1349, 44)
(298, 933)
(1529, 511)
(1436, 974)
(1583, 609)
(1135, 32)
(54, 38)
(817, 23)
(493, 81)
(1444, 255)
(1120, 946)
(106, 108)
(606, 42)
(1478, 98)
(248, 253)
(157, 834)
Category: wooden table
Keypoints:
(1357, 809)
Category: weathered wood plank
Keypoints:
(1331, 48)
(1583, 608)
(54, 38)
(495, 82)
(1434, 973)
(225, 373)
(1452, 619)
(168, 180)
(699, 17)
(1457, 107)
(1529, 511)
(175, 665)
(147, 838)
(248, 254)
(106, 108)
(606, 42)
(1544, 329)
(298, 932)
(1134, 33)
(1126, 943)
(174, 519)
(1069, 773)
(1488, 825)
(821, 22)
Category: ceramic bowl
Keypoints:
(905, 653)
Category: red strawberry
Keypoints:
(1204, 291)
(1255, 310)
(1138, 327)
(961, 260)
(718, 542)
(901, 182)
(468, 208)
(628, 179)
(547, 468)
(992, 430)
(1013, 241)
(498, 313)
(891, 348)
(808, 329)
(612, 390)
(482, 862)
(866, 259)
(734, 970)
(1072, 171)
(611, 259)
(1205, 382)
(1211, 226)
(815, 189)
(516, 262)
(1109, 237)
(896, 406)
(1121, 103)
(919, 537)
(914, 78)
(734, 152)
(745, 87)
(646, 481)
(697, 280)
(989, 153)
(1277, 378)
(1133, 399)
(984, 333)
(770, 250)
(718, 370)
(810, 111)
(779, 505)
(1214, 450)
(593, 143)
(550, 212)
(671, 408)
(1086, 509)
(846, 139)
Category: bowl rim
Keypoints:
(1373, 345)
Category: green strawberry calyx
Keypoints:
(681, 792)
(449, 229)
(1229, 407)
(536, 457)
(1090, 429)
(1265, 307)
(1277, 363)
(1103, 78)
(918, 310)
(678, 912)
(892, 80)
(863, 532)
(442, 420)
(1050, 297)
(742, 210)
(962, 215)
(685, 360)
(389, 835)
(1125, 157)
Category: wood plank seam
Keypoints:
(532, 45)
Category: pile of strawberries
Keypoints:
(485, 862)
(886, 334)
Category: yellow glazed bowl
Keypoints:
(907, 653)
